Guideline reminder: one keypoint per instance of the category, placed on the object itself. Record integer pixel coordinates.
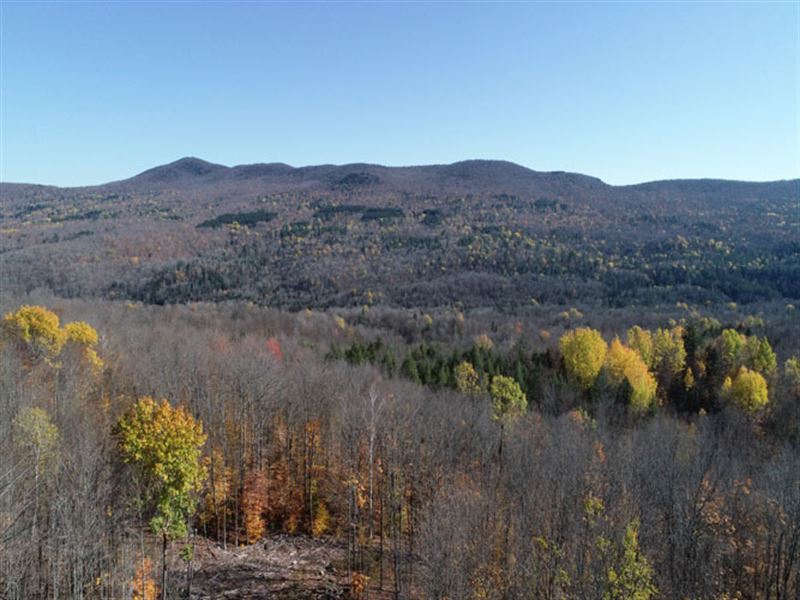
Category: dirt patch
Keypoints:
(279, 567)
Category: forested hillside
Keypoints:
(467, 381)
(472, 234)
(150, 448)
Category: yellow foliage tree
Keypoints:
(584, 353)
(82, 333)
(508, 399)
(643, 387)
(641, 340)
(82, 338)
(625, 364)
(618, 361)
(163, 438)
(467, 379)
(669, 353)
(164, 445)
(748, 390)
(36, 329)
(38, 333)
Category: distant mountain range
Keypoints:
(476, 233)
(471, 176)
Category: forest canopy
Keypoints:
(401, 442)
(469, 382)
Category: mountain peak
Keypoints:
(184, 168)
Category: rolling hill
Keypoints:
(474, 233)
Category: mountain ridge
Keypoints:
(191, 168)
(479, 233)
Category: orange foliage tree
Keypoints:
(254, 504)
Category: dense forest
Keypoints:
(438, 456)
(468, 381)
(478, 234)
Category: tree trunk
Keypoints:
(396, 527)
(380, 495)
(164, 566)
(189, 563)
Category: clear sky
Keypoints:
(626, 91)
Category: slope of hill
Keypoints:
(188, 168)
(475, 233)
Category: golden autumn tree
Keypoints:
(643, 387)
(584, 352)
(748, 390)
(641, 340)
(80, 345)
(36, 330)
(79, 365)
(618, 361)
(81, 333)
(164, 444)
(625, 364)
(669, 353)
(467, 379)
(37, 333)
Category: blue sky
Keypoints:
(627, 91)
